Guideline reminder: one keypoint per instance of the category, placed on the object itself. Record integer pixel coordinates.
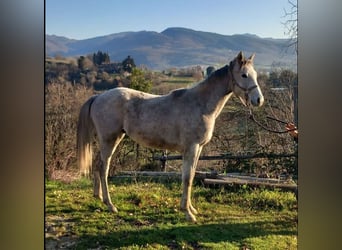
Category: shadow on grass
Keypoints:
(192, 235)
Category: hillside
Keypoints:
(176, 47)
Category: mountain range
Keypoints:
(177, 47)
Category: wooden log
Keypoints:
(150, 173)
(238, 181)
(229, 156)
(212, 178)
(198, 174)
(251, 178)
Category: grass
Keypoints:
(149, 218)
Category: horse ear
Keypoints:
(251, 58)
(240, 57)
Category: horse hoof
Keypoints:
(96, 196)
(113, 209)
(193, 210)
(190, 217)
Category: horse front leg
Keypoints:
(190, 159)
(193, 172)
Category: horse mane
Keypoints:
(214, 78)
(217, 75)
(222, 72)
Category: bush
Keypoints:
(62, 105)
(139, 82)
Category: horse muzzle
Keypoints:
(257, 101)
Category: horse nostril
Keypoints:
(260, 101)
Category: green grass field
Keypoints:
(149, 218)
(172, 83)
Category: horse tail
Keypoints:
(85, 132)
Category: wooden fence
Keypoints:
(164, 158)
(215, 179)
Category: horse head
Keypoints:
(244, 81)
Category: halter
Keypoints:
(235, 83)
(246, 90)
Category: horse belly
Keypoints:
(159, 143)
(154, 138)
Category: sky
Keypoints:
(82, 19)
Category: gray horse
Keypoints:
(182, 120)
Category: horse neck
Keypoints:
(215, 91)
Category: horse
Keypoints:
(182, 120)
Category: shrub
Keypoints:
(62, 105)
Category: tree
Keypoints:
(84, 63)
(128, 64)
(291, 28)
(287, 78)
(100, 57)
(138, 81)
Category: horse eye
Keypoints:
(244, 75)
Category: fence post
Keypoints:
(163, 159)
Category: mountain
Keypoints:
(177, 47)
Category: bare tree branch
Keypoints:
(291, 28)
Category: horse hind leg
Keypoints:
(107, 149)
(96, 176)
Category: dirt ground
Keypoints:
(58, 234)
